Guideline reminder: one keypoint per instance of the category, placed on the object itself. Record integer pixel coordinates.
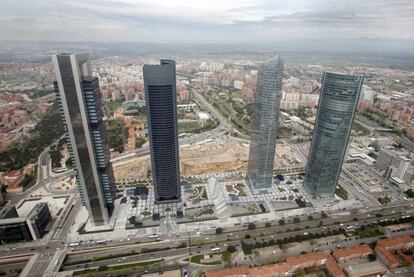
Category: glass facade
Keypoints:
(160, 93)
(337, 104)
(264, 125)
(80, 105)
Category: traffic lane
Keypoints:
(241, 233)
(207, 248)
(133, 258)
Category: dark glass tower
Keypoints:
(336, 109)
(79, 99)
(161, 103)
(264, 127)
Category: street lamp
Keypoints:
(189, 243)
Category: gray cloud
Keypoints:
(214, 20)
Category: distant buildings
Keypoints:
(161, 100)
(14, 228)
(337, 104)
(395, 165)
(264, 127)
(79, 100)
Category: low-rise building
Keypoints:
(385, 247)
(365, 269)
(14, 228)
(349, 253)
(288, 268)
(386, 257)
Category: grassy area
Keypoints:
(384, 200)
(359, 129)
(189, 126)
(96, 259)
(341, 192)
(116, 267)
(368, 232)
(197, 259)
(112, 106)
(117, 134)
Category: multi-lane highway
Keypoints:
(210, 238)
(232, 238)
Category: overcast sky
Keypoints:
(205, 20)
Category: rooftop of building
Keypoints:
(350, 251)
(291, 265)
(365, 269)
(226, 272)
(390, 258)
(20, 219)
(391, 242)
(13, 174)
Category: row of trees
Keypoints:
(249, 247)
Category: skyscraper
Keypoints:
(337, 104)
(161, 99)
(264, 128)
(79, 100)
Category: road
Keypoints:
(47, 249)
(275, 233)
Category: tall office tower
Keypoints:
(79, 100)
(161, 99)
(264, 128)
(337, 105)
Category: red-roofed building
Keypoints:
(239, 271)
(386, 257)
(292, 265)
(349, 253)
(396, 243)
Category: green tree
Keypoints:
(219, 230)
(268, 224)
(251, 226)
(282, 222)
(231, 248)
(372, 257)
(226, 256)
(199, 242)
(103, 268)
(117, 134)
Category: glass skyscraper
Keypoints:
(337, 104)
(79, 99)
(161, 103)
(264, 125)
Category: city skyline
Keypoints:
(174, 136)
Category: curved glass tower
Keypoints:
(336, 109)
(264, 127)
(161, 99)
(79, 98)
